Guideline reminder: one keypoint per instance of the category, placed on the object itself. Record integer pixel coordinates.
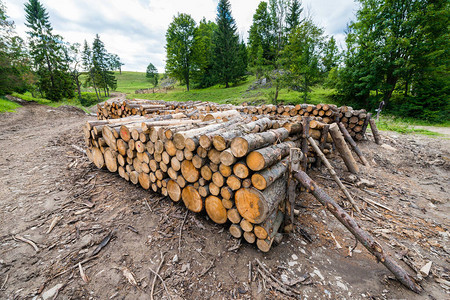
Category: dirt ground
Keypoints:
(44, 179)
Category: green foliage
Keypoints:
(293, 15)
(152, 74)
(403, 126)
(330, 58)
(48, 54)
(301, 56)
(87, 99)
(228, 55)
(15, 70)
(102, 68)
(179, 47)
(261, 40)
(203, 73)
(7, 106)
(400, 51)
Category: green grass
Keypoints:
(128, 82)
(405, 126)
(7, 106)
(90, 100)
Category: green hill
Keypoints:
(128, 82)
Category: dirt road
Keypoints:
(45, 180)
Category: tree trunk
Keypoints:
(265, 157)
(343, 149)
(255, 206)
(271, 228)
(241, 146)
(366, 239)
(215, 210)
(266, 177)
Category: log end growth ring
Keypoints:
(251, 205)
(192, 199)
(215, 210)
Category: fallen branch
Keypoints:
(160, 278)
(29, 242)
(291, 290)
(366, 239)
(103, 243)
(374, 203)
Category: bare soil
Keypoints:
(44, 178)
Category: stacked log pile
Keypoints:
(327, 112)
(233, 168)
(355, 121)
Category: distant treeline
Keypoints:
(396, 52)
(48, 65)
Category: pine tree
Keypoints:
(86, 57)
(102, 67)
(226, 46)
(293, 16)
(47, 51)
(152, 74)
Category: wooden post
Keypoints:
(333, 173)
(366, 122)
(376, 134)
(305, 141)
(343, 149)
(365, 238)
(352, 143)
(295, 160)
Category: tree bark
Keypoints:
(343, 149)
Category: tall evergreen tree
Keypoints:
(179, 48)
(293, 18)
(301, 56)
(48, 54)
(226, 46)
(86, 57)
(102, 66)
(15, 68)
(261, 40)
(152, 74)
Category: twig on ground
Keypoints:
(276, 279)
(78, 148)
(4, 282)
(160, 278)
(29, 242)
(103, 243)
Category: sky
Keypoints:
(135, 29)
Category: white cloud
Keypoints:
(135, 29)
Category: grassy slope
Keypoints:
(73, 102)
(6, 105)
(128, 82)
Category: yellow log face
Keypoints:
(192, 199)
(174, 190)
(215, 210)
(255, 161)
(250, 206)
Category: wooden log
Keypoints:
(241, 146)
(366, 122)
(144, 180)
(226, 192)
(206, 173)
(192, 199)
(227, 158)
(203, 190)
(265, 244)
(343, 149)
(234, 182)
(249, 237)
(218, 179)
(265, 157)
(214, 189)
(215, 210)
(234, 216)
(306, 133)
(189, 172)
(236, 231)
(363, 237)
(333, 174)
(98, 158)
(241, 170)
(110, 157)
(376, 134)
(246, 225)
(227, 203)
(225, 170)
(255, 206)
(352, 143)
(266, 177)
(173, 190)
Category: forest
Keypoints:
(396, 55)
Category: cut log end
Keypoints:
(215, 210)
